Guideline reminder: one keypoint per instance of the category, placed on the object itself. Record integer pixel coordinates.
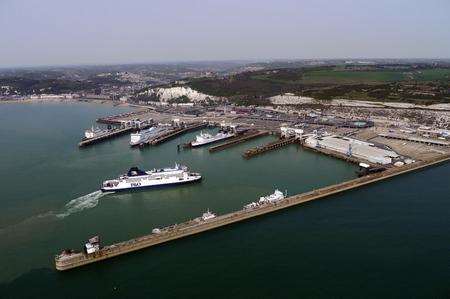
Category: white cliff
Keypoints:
(166, 94)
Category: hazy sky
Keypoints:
(42, 32)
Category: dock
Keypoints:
(105, 136)
(76, 259)
(428, 141)
(175, 132)
(119, 118)
(237, 140)
(337, 155)
(268, 147)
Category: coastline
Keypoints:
(70, 101)
(289, 100)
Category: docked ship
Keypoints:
(206, 138)
(269, 199)
(92, 133)
(208, 215)
(137, 179)
(144, 135)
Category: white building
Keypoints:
(352, 147)
(287, 132)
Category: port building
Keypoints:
(287, 132)
(353, 148)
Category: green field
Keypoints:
(351, 77)
(432, 74)
(339, 76)
(402, 84)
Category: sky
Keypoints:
(63, 32)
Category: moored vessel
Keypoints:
(144, 135)
(208, 215)
(207, 138)
(269, 199)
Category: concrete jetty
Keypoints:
(118, 119)
(108, 135)
(337, 155)
(428, 141)
(237, 140)
(175, 132)
(268, 147)
(69, 260)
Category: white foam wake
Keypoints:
(81, 203)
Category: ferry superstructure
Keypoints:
(144, 135)
(206, 138)
(137, 179)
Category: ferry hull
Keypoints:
(137, 188)
(193, 144)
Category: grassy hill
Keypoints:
(382, 83)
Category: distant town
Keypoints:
(422, 82)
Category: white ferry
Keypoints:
(137, 179)
(144, 135)
(206, 138)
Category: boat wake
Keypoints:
(81, 203)
(76, 205)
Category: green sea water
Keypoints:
(391, 239)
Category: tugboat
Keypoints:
(136, 178)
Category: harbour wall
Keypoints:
(191, 228)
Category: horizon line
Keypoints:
(243, 60)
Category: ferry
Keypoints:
(206, 138)
(138, 179)
(144, 135)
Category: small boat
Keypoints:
(274, 197)
(269, 199)
(208, 215)
(92, 246)
(92, 133)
